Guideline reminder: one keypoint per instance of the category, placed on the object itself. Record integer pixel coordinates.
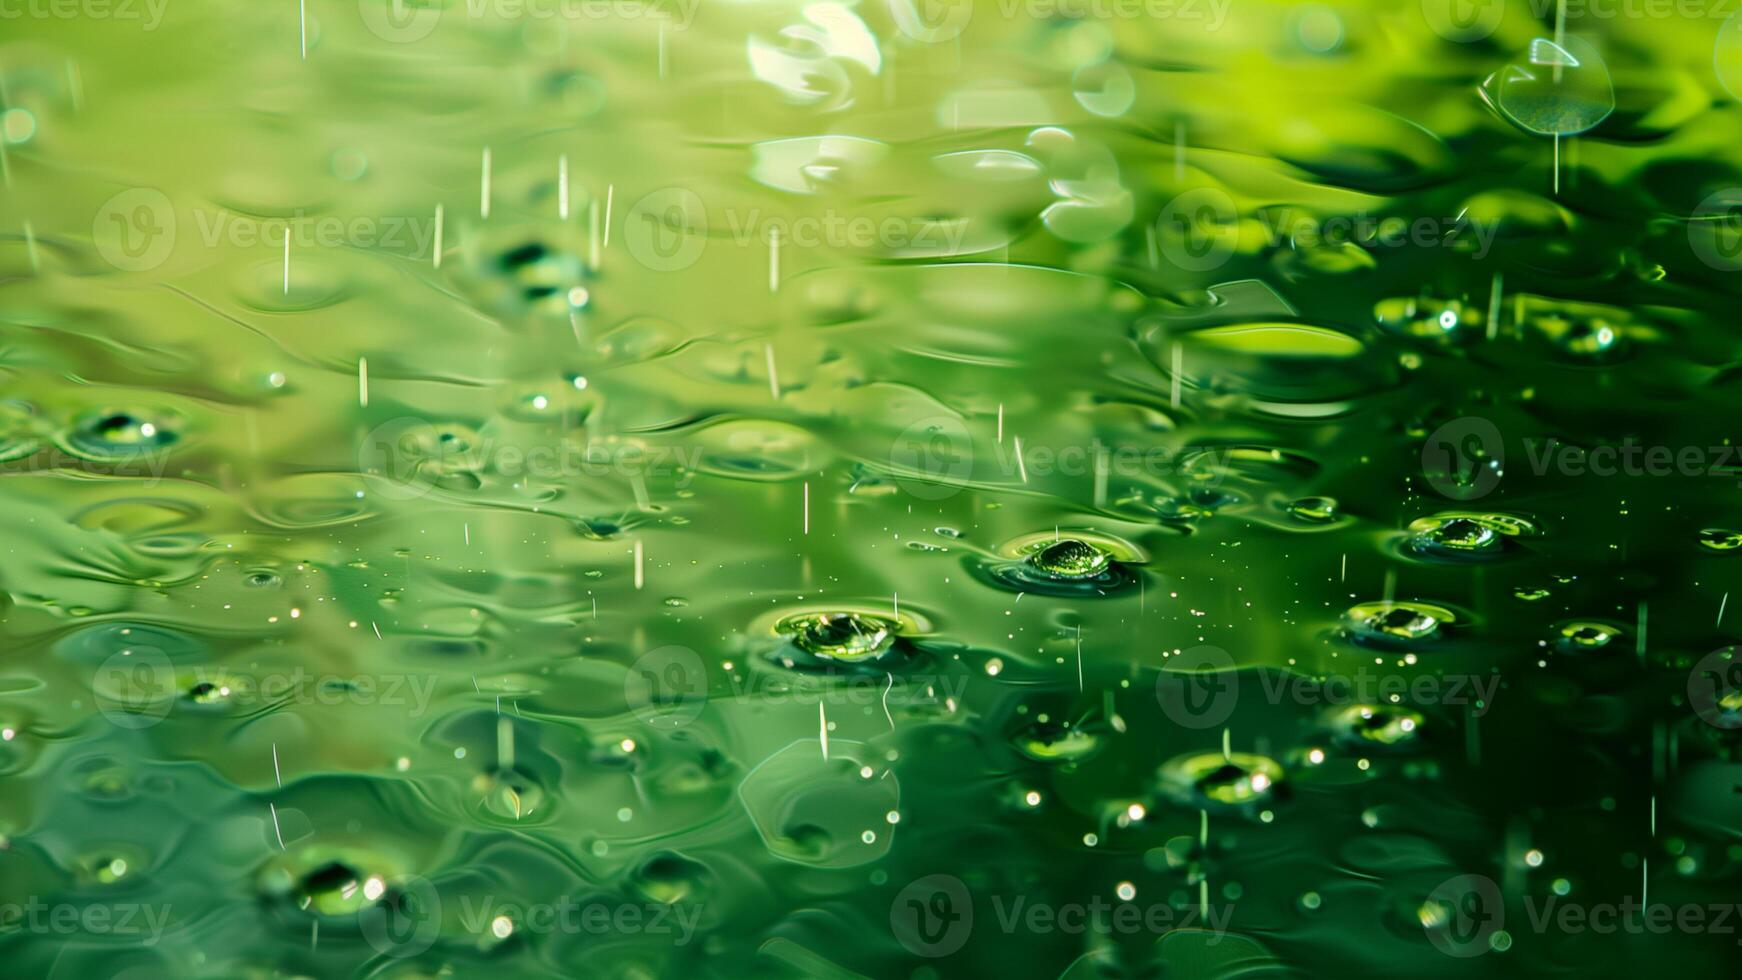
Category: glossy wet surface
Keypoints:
(784, 490)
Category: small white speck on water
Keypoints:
(562, 186)
(363, 381)
(773, 372)
(436, 253)
(484, 187)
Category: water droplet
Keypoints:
(1313, 510)
(1720, 539)
(1585, 636)
(1212, 781)
(1466, 536)
(1563, 89)
(1367, 725)
(112, 435)
(1396, 623)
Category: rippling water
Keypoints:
(1182, 488)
